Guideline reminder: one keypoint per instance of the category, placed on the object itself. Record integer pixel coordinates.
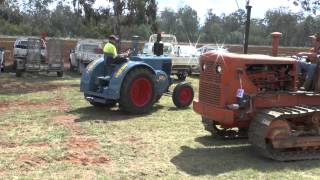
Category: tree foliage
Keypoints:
(139, 17)
(308, 5)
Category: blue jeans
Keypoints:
(309, 69)
(108, 60)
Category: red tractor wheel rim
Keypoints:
(185, 95)
(141, 91)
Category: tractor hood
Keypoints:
(156, 62)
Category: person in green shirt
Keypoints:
(110, 48)
(111, 56)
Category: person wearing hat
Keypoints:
(111, 56)
(308, 64)
(313, 52)
(110, 48)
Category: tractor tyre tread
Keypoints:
(175, 95)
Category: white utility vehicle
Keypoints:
(85, 52)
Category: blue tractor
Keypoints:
(135, 84)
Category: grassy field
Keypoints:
(48, 131)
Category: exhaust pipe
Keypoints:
(275, 43)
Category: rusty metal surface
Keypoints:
(259, 127)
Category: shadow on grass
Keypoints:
(178, 109)
(219, 157)
(96, 114)
(219, 141)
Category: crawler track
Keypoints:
(259, 127)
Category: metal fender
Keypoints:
(162, 82)
(93, 70)
(113, 91)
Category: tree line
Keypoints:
(78, 18)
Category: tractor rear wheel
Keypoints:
(137, 93)
(182, 95)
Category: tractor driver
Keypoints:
(311, 56)
(111, 56)
(110, 52)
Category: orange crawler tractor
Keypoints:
(258, 96)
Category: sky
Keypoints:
(259, 7)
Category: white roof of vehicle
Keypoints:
(165, 38)
(89, 41)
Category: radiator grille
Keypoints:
(210, 90)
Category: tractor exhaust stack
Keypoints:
(275, 43)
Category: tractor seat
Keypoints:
(104, 80)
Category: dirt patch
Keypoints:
(17, 86)
(3, 173)
(31, 160)
(8, 144)
(65, 120)
(83, 143)
(85, 158)
(82, 149)
(132, 139)
(58, 102)
(42, 145)
(69, 122)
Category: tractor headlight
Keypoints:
(218, 69)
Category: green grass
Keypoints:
(167, 143)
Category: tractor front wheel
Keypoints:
(137, 93)
(183, 95)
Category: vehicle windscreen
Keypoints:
(167, 49)
(147, 49)
(22, 44)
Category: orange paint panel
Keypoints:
(223, 116)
